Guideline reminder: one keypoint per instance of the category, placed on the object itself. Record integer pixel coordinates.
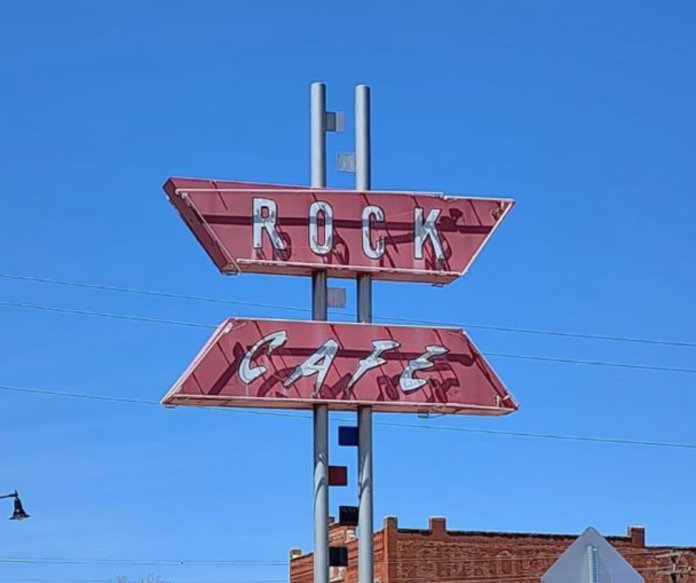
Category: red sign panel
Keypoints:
(287, 230)
(296, 365)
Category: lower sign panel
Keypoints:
(296, 365)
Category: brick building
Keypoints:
(435, 554)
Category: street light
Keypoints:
(19, 513)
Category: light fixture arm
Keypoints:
(13, 495)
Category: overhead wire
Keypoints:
(387, 318)
(142, 562)
(189, 324)
(78, 312)
(628, 553)
(464, 559)
(117, 580)
(385, 423)
(392, 424)
(147, 292)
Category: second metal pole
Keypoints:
(364, 291)
(319, 312)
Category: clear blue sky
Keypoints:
(581, 111)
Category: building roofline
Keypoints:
(438, 526)
(506, 534)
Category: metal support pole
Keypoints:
(318, 134)
(319, 312)
(321, 494)
(592, 565)
(365, 507)
(363, 162)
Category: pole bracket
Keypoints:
(346, 162)
(334, 121)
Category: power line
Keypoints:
(208, 299)
(140, 562)
(463, 559)
(116, 580)
(146, 292)
(542, 332)
(558, 437)
(392, 424)
(76, 312)
(559, 360)
(73, 395)
(132, 401)
(189, 324)
(275, 563)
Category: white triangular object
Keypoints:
(591, 559)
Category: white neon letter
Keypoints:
(426, 230)
(248, 374)
(410, 384)
(314, 210)
(368, 249)
(267, 223)
(318, 364)
(374, 360)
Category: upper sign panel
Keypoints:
(288, 230)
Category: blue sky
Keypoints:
(581, 111)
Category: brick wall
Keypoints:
(437, 555)
(302, 567)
